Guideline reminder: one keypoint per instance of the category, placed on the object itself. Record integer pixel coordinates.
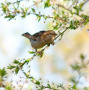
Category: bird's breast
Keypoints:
(37, 44)
(48, 39)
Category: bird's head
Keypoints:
(51, 32)
(27, 35)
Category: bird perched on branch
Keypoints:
(40, 39)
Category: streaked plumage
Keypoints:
(40, 39)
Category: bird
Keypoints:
(41, 38)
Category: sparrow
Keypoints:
(40, 39)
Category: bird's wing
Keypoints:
(46, 33)
(39, 33)
(42, 34)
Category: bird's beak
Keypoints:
(23, 34)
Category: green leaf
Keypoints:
(10, 17)
(33, 10)
(37, 82)
(8, 87)
(22, 9)
(61, 85)
(78, 8)
(47, 4)
(3, 8)
(76, 67)
(17, 70)
(42, 88)
(86, 88)
(27, 61)
(11, 67)
(82, 56)
(73, 79)
(72, 26)
(86, 18)
(48, 85)
(23, 15)
(45, 17)
(27, 75)
(16, 61)
(31, 52)
(2, 72)
(38, 17)
(74, 87)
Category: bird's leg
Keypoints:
(35, 50)
(52, 43)
(48, 44)
(39, 53)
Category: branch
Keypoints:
(68, 10)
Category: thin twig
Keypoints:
(60, 34)
(68, 9)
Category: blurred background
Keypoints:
(55, 63)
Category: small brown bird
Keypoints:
(40, 39)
